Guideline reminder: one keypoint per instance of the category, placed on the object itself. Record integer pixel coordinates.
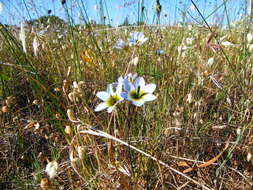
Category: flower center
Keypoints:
(112, 100)
(137, 94)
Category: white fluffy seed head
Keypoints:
(35, 45)
(22, 36)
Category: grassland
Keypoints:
(197, 134)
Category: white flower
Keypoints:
(22, 36)
(249, 37)
(1, 7)
(137, 38)
(35, 45)
(120, 44)
(139, 93)
(51, 169)
(110, 98)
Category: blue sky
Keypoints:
(16, 11)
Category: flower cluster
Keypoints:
(136, 38)
(131, 88)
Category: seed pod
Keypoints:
(44, 184)
(5, 109)
(9, 100)
(68, 130)
(71, 115)
(249, 156)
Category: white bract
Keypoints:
(182, 50)
(110, 98)
(137, 38)
(1, 7)
(210, 61)
(137, 92)
(22, 36)
(189, 41)
(35, 45)
(51, 169)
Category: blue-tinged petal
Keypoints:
(139, 82)
(127, 85)
(134, 76)
(144, 40)
(103, 95)
(120, 79)
(110, 89)
(101, 106)
(119, 88)
(149, 97)
(110, 109)
(139, 34)
(120, 44)
(149, 88)
(138, 103)
(124, 95)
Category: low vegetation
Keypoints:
(196, 133)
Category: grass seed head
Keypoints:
(5, 109)
(249, 156)
(68, 130)
(71, 115)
